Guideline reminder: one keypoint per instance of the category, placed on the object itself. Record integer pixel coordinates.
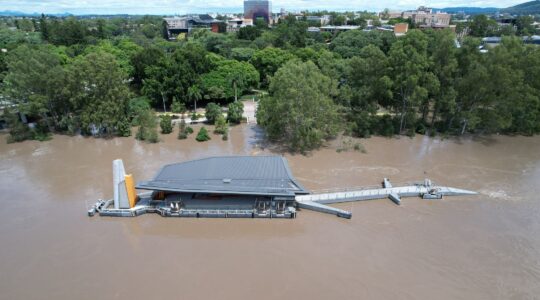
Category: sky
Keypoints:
(171, 7)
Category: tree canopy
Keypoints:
(229, 75)
(299, 112)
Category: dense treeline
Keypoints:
(100, 77)
(482, 26)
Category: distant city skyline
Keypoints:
(171, 7)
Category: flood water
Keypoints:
(481, 247)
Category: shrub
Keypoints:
(135, 107)
(421, 129)
(183, 130)
(235, 111)
(386, 126)
(123, 128)
(177, 107)
(147, 130)
(166, 124)
(41, 131)
(212, 112)
(221, 125)
(19, 131)
(202, 136)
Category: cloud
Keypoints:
(183, 6)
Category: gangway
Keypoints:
(425, 190)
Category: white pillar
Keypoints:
(119, 183)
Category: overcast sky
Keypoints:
(183, 6)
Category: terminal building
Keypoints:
(249, 186)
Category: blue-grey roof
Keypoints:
(253, 175)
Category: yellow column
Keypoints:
(130, 187)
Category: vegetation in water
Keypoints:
(234, 112)
(213, 111)
(222, 127)
(202, 136)
(166, 124)
(147, 130)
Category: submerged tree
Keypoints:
(235, 111)
(299, 112)
(221, 125)
(213, 111)
(412, 80)
(147, 127)
(166, 124)
(202, 136)
(183, 130)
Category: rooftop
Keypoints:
(251, 175)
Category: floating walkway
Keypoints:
(426, 191)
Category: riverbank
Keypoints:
(483, 247)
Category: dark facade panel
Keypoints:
(254, 9)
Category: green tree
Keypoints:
(221, 125)
(202, 136)
(235, 111)
(150, 31)
(173, 75)
(371, 86)
(350, 43)
(411, 78)
(291, 33)
(525, 25)
(18, 131)
(269, 60)
(135, 107)
(213, 111)
(194, 94)
(332, 65)
(44, 28)
(228, 79)
(183, 130)
(147, 130)
(123, 50)
(507, 102)
(36, 83)
(68, 32)
(443, 55)
(143, 59)
(99, 93)
(482, 26)
(249, 33)
(299, 112)
(242, 54)
(177, 107)
(166, 124)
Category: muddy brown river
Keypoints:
(481, 247)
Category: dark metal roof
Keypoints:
(252, 175)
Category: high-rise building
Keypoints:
(257, 9)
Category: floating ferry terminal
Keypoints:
(240, 187)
